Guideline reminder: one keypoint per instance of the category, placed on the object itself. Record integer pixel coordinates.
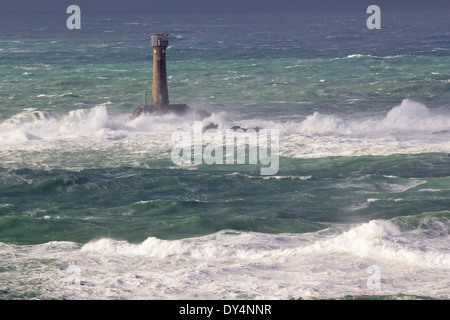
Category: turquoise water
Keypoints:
(363, 178)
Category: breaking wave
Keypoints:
(229, 263)
(410, 127)
(376, 239)
(409, 116)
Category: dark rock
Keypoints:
(181, 110)
(210, 126)
(234, 128)
(178, 109)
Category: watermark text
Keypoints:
(230, 147)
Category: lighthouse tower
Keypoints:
(160, 94)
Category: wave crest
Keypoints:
(409, 116)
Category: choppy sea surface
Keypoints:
(93, 207)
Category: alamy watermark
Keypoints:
(73, 281)
(74, 21)
(374, 21)
(373, 281)
(227, 147)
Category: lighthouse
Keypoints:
(160, 93)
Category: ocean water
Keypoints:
(93, 207)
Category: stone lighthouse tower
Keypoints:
(160, 94)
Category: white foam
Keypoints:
(410, 127)
(216, 247)
(151, 247)
(358, 55)
(409, 116)
(285, 177)
(377, 238)
(383, 240)
(229, 265)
